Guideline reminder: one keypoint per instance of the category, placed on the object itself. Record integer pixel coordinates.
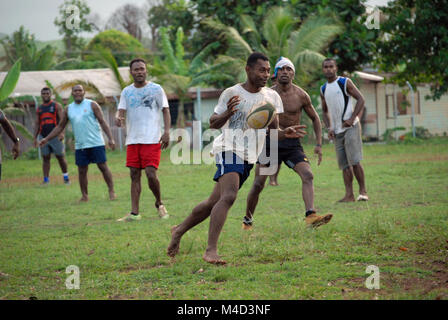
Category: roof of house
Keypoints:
(369, 76)
(31, 82)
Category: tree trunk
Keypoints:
(180, 114)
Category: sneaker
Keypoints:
(313, 220)
(130, 217)
(247, 223)
(45, 183)
(163, 213)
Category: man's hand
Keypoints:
(231, 104)
(331, 135)
(61, 137)
(43, 142)
(318, 151)
(295, 131)
(165, 140)
(119, 121)
(112, 144)
(15, 150)
(348, 123)
(35, 143)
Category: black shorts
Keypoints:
(290, 151)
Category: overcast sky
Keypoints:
(38, 16)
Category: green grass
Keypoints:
(44, 230)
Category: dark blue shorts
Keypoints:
(229, 162)
(90, 155)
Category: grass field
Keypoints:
(403, 230)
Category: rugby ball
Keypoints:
(261, 116)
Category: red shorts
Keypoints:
(143, 155)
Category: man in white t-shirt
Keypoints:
(236, 150)
(142, 102)
(342, 122)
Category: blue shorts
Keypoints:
(229, 162)
(90, 155)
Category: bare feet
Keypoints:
(213, 258)
(273, 183)
(112, 195)
(83, 199)
(348, 199)
(173, 247)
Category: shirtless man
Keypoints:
(290, 151)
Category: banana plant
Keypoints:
(8, 105)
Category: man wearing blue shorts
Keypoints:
(87, 121)
(235, 151)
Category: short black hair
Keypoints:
(253, 58)
(45, 89)
(136, 60)
(329, 59)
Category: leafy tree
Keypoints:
(171, 14)
(22, 45)
(72, 24)
(352, 49)
(176, 73)
(414, 43)
(280, 35)
(128, 18)
(123, 46)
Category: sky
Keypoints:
(38, 16)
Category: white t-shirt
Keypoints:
(335, 103)
(236, 136)
(143, 106)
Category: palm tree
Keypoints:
(22, 45)
(176, 73)
(280, 34)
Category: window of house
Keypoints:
(403, 104)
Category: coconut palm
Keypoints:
(23, 45)
(281, 34)
(176, 73)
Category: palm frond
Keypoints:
(87, 85)
(10, 81)
(198, 61)
(167, 48)
(22, 129)
(314, 34)
(238, 47)
(13, 111)
(180, 52)
(249, 30)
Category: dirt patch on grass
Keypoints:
(397, 284)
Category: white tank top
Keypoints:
(334, 98)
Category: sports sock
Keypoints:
(310, 211)
(46, 179)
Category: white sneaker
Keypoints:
(163, 213)
(130, 217)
